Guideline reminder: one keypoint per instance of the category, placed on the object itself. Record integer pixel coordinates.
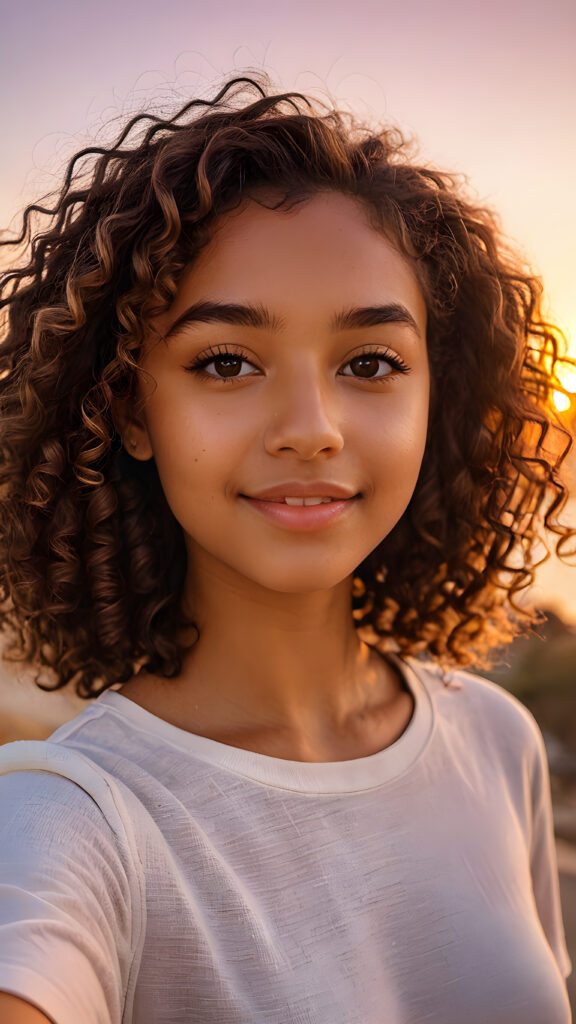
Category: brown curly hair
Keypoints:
(92, 560)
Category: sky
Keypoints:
(488, 91)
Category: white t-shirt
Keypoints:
(153, 876)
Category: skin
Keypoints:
(14, 1010)
(279, 667)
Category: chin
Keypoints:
(305, 581)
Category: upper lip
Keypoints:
(298, 489)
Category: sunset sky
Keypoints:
(489, 90)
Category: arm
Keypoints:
(543, 863)
(17, 1011)
(65, 904)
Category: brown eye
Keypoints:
(366, 366)
(228, 366)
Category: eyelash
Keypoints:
(198, 365)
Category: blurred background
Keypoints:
(487, 91)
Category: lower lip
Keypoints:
(301, 517)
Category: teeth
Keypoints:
(306, 501)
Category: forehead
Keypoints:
(321, 254)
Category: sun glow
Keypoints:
(567, 377)
(561, 401)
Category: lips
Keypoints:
(295, 514)
(299, 502)
(306, 501)
(294, 492)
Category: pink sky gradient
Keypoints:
(488, 90)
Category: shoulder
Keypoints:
(478, 706)
(46, 792)
(473, 690)
(46, 787)
(72, 891)
(59, 809)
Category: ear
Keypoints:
(132, 429)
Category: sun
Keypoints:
(567, 377)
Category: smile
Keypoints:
(302, 501)
(302, 513)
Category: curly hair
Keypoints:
(92, 560)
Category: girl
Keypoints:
(277, 451)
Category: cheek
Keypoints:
(397, 456)
(195, 452)
(399, 438)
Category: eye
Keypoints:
(366, 365)
(228, 364)
(370, 364)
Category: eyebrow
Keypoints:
(261, 318)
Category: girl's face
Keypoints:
(314, 380)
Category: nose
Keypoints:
(303, 419)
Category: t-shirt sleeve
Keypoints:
(543, 861)
(64, 901)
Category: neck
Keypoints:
(274, 661)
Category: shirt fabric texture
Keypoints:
(152, 876)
